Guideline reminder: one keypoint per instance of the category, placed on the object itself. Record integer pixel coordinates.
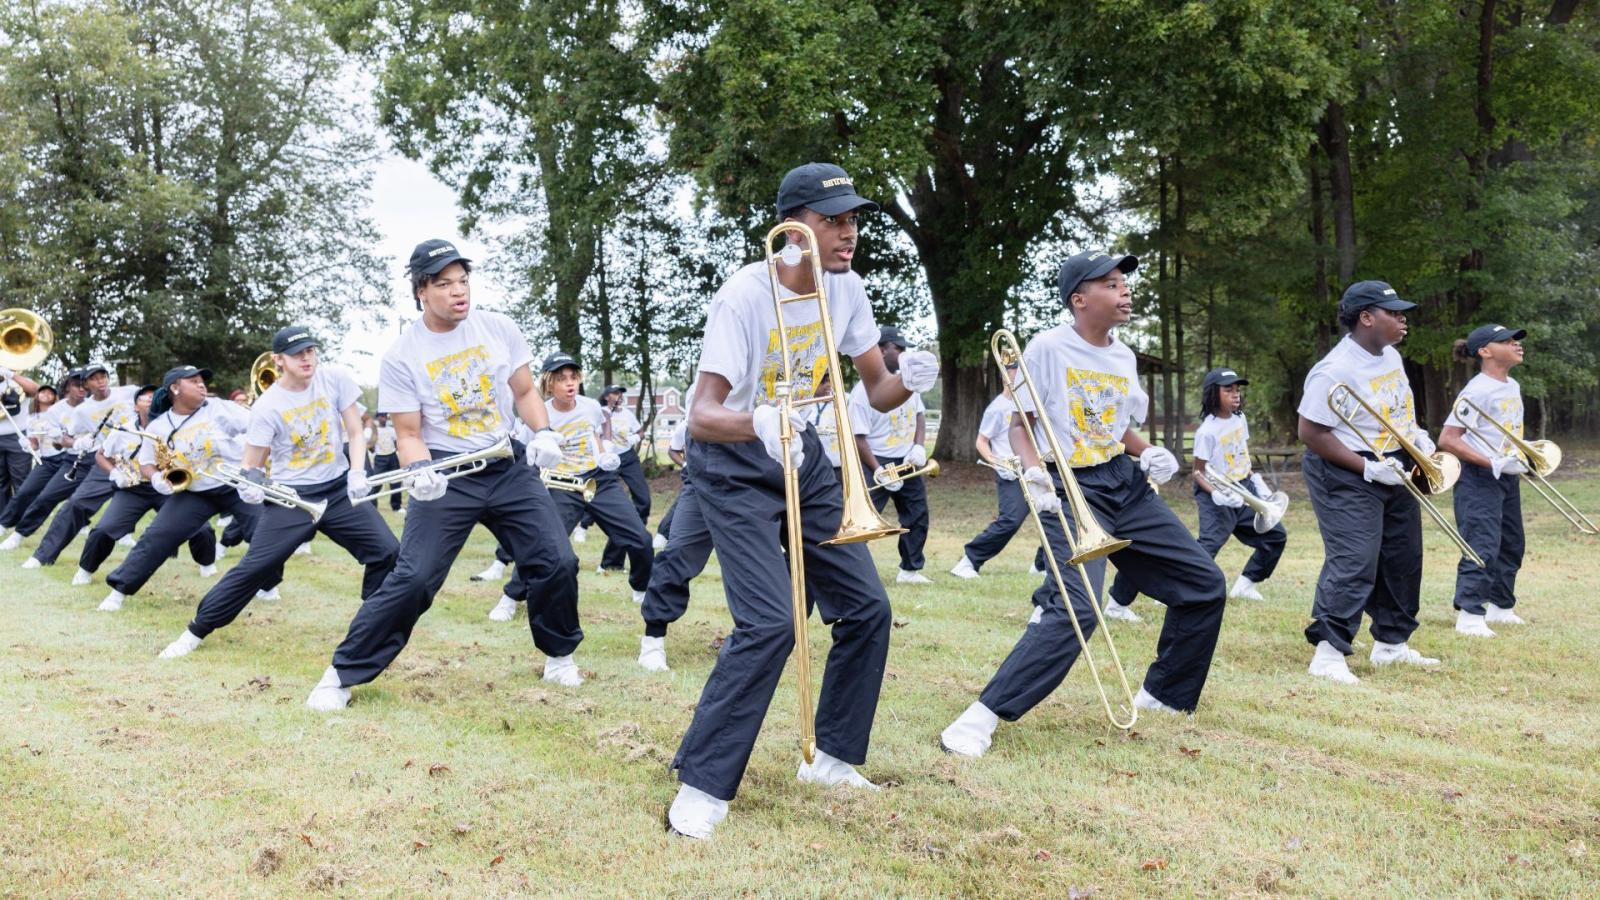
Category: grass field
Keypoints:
(460, 773)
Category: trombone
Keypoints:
(1438, 471)
(448, 468)
(860, 521)
(1543, 458)
(1269, 512)
(905, 471)
(566, 481)
(25, 340)
(1088, 541)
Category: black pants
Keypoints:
(685, 557)
(1163, 562)
(664, 527)
(359, 529)
(127, 507)
(54, 492)
(1372, 556)
(41, 476)
(741, 493)
(508, 499)
(94, 489)
(1489, 517)
(387, 462)
(184, 513)
(240, 528)
(911, 506)
(632, 475)
(1217, 524)
(1013, 514)
(15, 463)
(615, 516)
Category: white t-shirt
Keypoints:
(624, 427)
(679, 439)
(1380, 380)
(580, 429)
(209, 436)
(1502, 400)
(741, 341)
(457, 379)
(996, 425)
(303, 431)
(889, 434)
(1091, 394)
(826, 421)
(92, 418)
(123, 444)
(52, 426)
(383, 440)
(1224, 444)
(15, 422)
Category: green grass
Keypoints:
(459, 772)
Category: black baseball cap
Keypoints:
(1089, 265)
(183, 372)
(430, 257)
(73, 375)
(293, 339)
(1222, 377)
(1363, 294)
(93, 369)
(557, 361)
(823, 188)
(1484, 335)
(613, 389)
(889, 334)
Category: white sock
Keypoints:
(208, 571)
(183, 646)
(971, 733)
(128, 540)
(494, 572)
(1502, 615)
(659, 542)
(563, 671)
(504, 611)
(830, 771)
(328, 696)
(12, 542)
(1145, 700)
(638, 597)
(270, 593)
(31, 562)
(695, 813)
(1471, 625)
(112, 602)
(1245, 588)
(1327, 662)
(303, 549)
(964, 569)
(653, 653)
(1038, 613)
(81, 577)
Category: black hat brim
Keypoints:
(299, 345)
(1125, 263)
(1395, 305)
(1228, 382)
(833, 206)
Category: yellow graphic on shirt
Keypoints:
(194, 447)
(1390, 395)
(1508, 412)
(1235, 451)
(902, 427)
(465, 385)
(827, 425)
(578, 451)
(111, 419)
(309, 427)
(1094, 404)
(806, 349)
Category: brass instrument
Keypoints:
(566, 481)
(1543, 457)
(1438, 472)
(25, 341)
(280, 494)
(904, 471)
(178, 476)
(448, 468)
(128, 466)
(860, 521)
(1269, 512)
(1089, 541)
(263, 374)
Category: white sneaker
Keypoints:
(31, 563)
(971, 733)
(653, 654)
(328, 695)
(269, 594)
(1038, 613)
(1245, 589)
(128, 540)
(830, 771)
(579, 534)
(1115, 610)
(659, 542)
(208, 571)
(695, 813)
(1033, 569)
(494, 572)
(12, 542)
(638, 597)
(964, 569)
(1147, 701)
(1502, 615)
(303, 549)
(183, 646)
(504, 611)
(563, 671)
(1471, 625)
(81, 578)
(910, 576)
(602, 570)
(83, 532)
(112, 602)
(1329, 663)
(1388, 654)
(225, 521)
(401, 512)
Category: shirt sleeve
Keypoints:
(346, 393)
(147, 453)
(1205, 444)
(858, 333)
(233, 418)
(516, 342)
(263, 425)
(396, 391)
(723, 351)
(1314, 404)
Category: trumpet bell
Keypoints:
(931, 470)
(1277, 505)
(25, 338)
(1440, 474)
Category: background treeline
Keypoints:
(199, 170)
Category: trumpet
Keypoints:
(280, 494)
(1438, 471)
(905, 471)
(263, 374)
(25, 340)
(564, 481)
(1269, 512)
(1542, 457)
(860, 521)
(448, 468)
(1088, 542)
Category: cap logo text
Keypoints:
(835, 182)
(445, 249)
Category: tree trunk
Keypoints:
(1165, 308)
(602, 310)
(1320, 292)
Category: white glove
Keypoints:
(1424, 443)
(544, 451)
(1383, 471)
(121, 478)
(1037, 482)
(159, 482)
(1160, 463)
(919, 369)
(609, 461)
(1261, 485)
(917, 455)
(5, 374)
(882, 476)
(769, 429)
(252, 494)
(1502, 465)
(427, 485)
(355, 485)
(1226, 498)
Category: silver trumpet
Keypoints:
(280, 494)
(448, 468)
(1269, 512)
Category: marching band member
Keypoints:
(1089, 385)
(679, 561)
(16, 391)
(41, 433)
(889, 439)
(453, 383)
(993, 445)
(299, 425)
(1488, 496)
(385, 455)
(735, 462)
(626, 432)
(1371, 525)
(45, 489)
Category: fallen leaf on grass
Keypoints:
(901, 623)
(933, 850)
(307, 838)
(408, 763)
(419, 844)
(1042, 855)
(1132, 736)
(1127, 774)
(1188, 751)
(437, 769)
(1154, 864)
(497, 860)
(716, 642)
(1449, 795)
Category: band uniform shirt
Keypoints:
(1091, 394)
(742, 342)
(384, 442)
(826, 422)
(1225, 445)
(1380, 380)
(890, 434)
(93, 419)
(49, 426)
(996, 425)
(458, 380)
(580, 429)
(198, 441)
(624, 427)
(303, 431)
(122, 445)
(679, 440)
(1502, 401)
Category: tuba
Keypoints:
(25, 340)
(1543, 458)
(263, 374)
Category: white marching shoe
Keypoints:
(1115, 610)
(224, 521)
(638, 597)
(303, 549)
(659, 542)
(12, 542)
(112, 602)
(31, 562)
(328, 695)
(1389, 654)
(653, 654)
(964, 569)
(912, 576)
(695, 813)
(494, 572)
(222, 552)
(504, 611)
(81, 578)
(1471, 625)
(563, 671)
(1327, 662)
(128, 540)
(208, 571)
(1033, 569)
(1502, 615)
(579, 534)
(830, 771)
(269, 594)
(183, 646)
(971, 733)
(1038, 613)
(1245, 589)
(1146, 701)
(401, 512)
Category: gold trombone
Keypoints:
(1543, 457)
(1438, 471)
(905, 471)
(566, 481)
(25, 341)
(448, 468)
(1088, 541)
(1269, 511)
(860, 521)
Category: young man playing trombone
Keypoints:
(889, 443)
(453, 383)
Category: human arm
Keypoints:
(1321, 440)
